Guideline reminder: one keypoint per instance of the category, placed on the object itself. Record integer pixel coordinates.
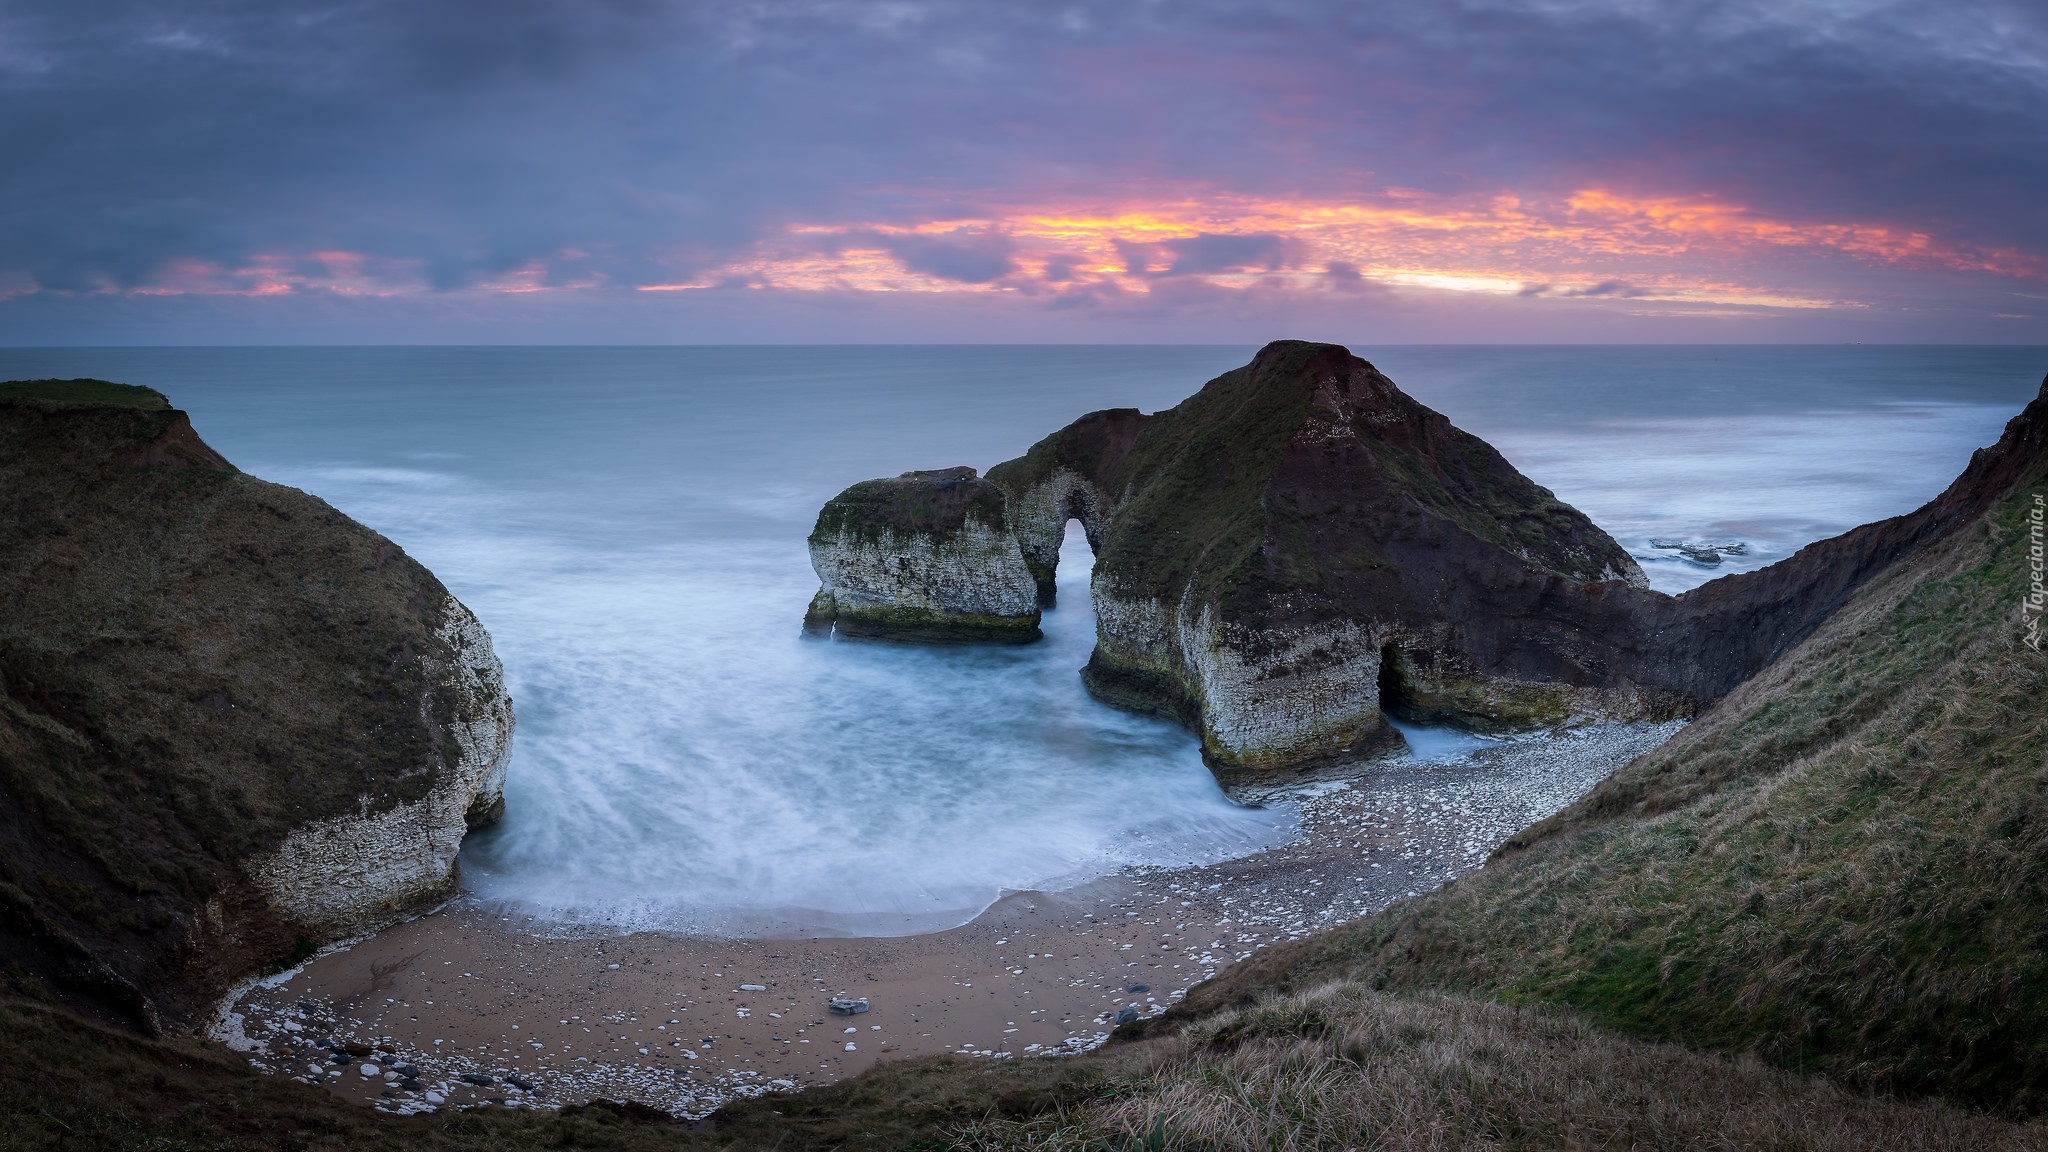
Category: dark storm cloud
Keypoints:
(634, 141)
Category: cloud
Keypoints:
(1801, 149)
(961, 256)
(1209, 252)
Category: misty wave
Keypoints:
(629, 525)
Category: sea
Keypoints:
(629, 524)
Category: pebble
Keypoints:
(1395, 829)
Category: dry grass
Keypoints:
(1844, 867)
(1343, 1067)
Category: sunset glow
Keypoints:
(1592, 245)
(927, 170)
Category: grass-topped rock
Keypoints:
(923, 556)
(1300, 550)
(1299, 535)
(234, 723)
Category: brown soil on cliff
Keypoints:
(192, 662)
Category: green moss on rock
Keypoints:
(925, 556)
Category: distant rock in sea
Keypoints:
(923, 556)
(234, 723)
(1702, 552)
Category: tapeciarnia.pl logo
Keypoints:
(2032, 603)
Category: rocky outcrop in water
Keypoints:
(923, 556)
(1300, 549)
(1301, 538)
(1069, 475)
(234, 723)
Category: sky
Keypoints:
(1215, 171)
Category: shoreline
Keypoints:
(685, 1023)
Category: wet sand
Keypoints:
(534, 1019)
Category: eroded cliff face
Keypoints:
(1300, 549)
(922, 556)
(1069, 475)
(234, 723)
(342, 875)
(1277, 550)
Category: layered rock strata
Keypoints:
(234, 723)
(923, 556)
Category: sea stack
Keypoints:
(1300, 546)
(234, 723)
(1300, 550)
(925, 556)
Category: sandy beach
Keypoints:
(472, 1006)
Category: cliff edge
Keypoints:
(234, 723)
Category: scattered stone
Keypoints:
(840, 1006)
(1139, 988)
(478, 1079)
(370, 1070)
(753, 987)
(1123, 1016)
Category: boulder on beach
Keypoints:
(922, 556)
(234, 723)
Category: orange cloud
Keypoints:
(1594, 243)
(336, 272)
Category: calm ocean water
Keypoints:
(629, 524)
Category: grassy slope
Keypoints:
(1337, 1067)
(1843, 866)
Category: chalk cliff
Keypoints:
(234, 723)
(1300, 538)
(1841, 865)
(1300, 549)
(923, 556)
